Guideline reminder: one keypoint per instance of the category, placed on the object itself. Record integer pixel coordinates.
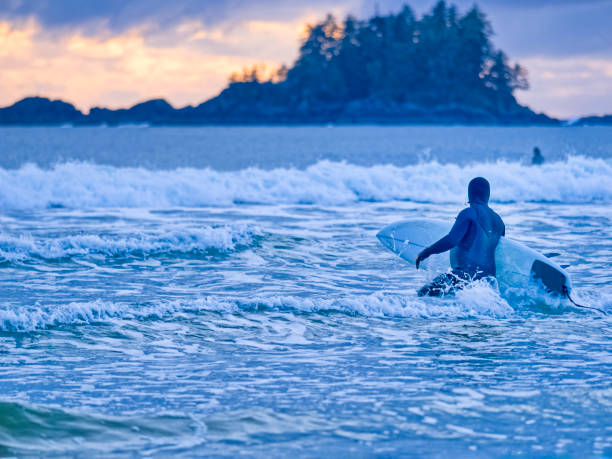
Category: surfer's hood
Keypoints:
(479, 191)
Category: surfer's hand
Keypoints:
(421, 257)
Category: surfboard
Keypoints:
(516, 264)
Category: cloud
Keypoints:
(560, 30)
(118, 16)
(114, 71)
(569, 87)
(116, 53)
(524, 27)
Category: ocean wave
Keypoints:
(479, 300)
(577, 179)
(29, 430)
(193, 240)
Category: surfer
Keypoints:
(537, 158)
(472, 241)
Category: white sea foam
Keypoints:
(478, 301)
(83, 185)
(27, 319)
(223, 238)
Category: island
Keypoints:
(397, 68)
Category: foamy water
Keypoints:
(577, 179)
(184, 240)
(206, 311)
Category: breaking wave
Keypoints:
(577, 179)
(477, 301)
(194, 240)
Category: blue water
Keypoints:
(220, 291)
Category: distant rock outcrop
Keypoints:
(227, 109)
(40, 110)
(604, 120)
(156, 111)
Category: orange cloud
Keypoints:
(16, 41)
(566, 87)
(120, 70)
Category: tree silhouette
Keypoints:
(443, 59)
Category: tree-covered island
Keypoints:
(441, 67)
(395, 68)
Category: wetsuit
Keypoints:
(472, 241)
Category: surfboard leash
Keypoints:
(567, 294)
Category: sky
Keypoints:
(115, 53)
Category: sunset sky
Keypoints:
(115, 53)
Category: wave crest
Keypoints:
(578, 179)
(196, 240)
(479, 300)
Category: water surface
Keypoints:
(212, 301)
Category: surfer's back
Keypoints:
(474, 236)
(475, 253)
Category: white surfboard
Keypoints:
(516, 264)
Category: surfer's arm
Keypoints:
(452, 239)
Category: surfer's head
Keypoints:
(479, 191)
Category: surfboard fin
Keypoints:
(553, 280)
(556, 282)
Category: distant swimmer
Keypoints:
(472, 241)
(537, 158)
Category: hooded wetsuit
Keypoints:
(472, 241)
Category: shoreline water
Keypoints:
(181, 309)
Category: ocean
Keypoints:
(219, 291)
